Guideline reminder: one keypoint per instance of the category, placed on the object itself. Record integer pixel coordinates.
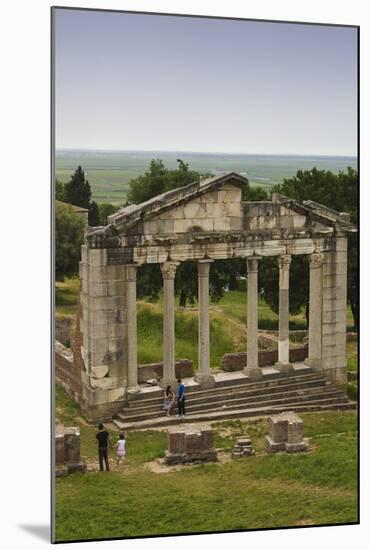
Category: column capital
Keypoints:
(284, 261)
(252, 264)
(131, 272)
(168, 269)
(316, 260)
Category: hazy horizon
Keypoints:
(102, 149)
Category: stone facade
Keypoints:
(204, 221)
(190, 444)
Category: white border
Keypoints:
(25, 45)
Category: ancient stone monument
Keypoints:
(242, 448)
(286, 431)
(204, 222)
(190, 444)
(67, 451)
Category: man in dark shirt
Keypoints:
(103, 439)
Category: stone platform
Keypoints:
(190, 444)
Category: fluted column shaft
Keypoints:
(204, 375)
(131, 275)
(284, 262)
(315, 311)
(168, 270)
(252, 369)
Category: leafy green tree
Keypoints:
(337, 191)
(77, 191)
(106, 209)
(69, 234)
(159, 179)
(93, 214)
(59, 190)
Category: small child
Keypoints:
(121, 448)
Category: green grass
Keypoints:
(313, 488)
(66, 296)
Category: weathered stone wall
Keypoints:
(103, 328)
(238, 361)
(66, 372)
(183, 369)
(334, 312)
(63, 330)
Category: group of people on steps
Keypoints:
(103, 438)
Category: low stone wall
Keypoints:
(63, 330)
(67, 373)
(238, 361)
(183, 369)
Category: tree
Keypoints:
(77, 191)
(159, 179)
(59, 190)
(93, 214)
(106, 209)
(337, 191)
(69, 234)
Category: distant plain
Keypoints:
(109, 172)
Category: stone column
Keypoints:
(252, 369)
(284, 365)
(168, 270)
(204, 375)
(314, 358)
(131, 274)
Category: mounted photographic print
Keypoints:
(205, 198)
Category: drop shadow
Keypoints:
(40, 531)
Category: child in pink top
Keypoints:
(121, 448)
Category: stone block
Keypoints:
(107, 383)
(210, 197)
(296, 447)
(278, 428)
(207, 435)
(72, 445)
(193, 442)
(222, 224)
(235, 223)
(96, 256)
(299, 221)
(295, 430)
(59, 449)
(176, 441)
(115, 395)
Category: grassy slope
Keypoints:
(318, 487)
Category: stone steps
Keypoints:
(232, 385)
(267, 400)
(233, 414)
(236, 392)
(237, 396)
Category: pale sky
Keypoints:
(148, 82)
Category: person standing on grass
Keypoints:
(121, 448)
(103, 440)
(181, 398)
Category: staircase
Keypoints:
(235, 396)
